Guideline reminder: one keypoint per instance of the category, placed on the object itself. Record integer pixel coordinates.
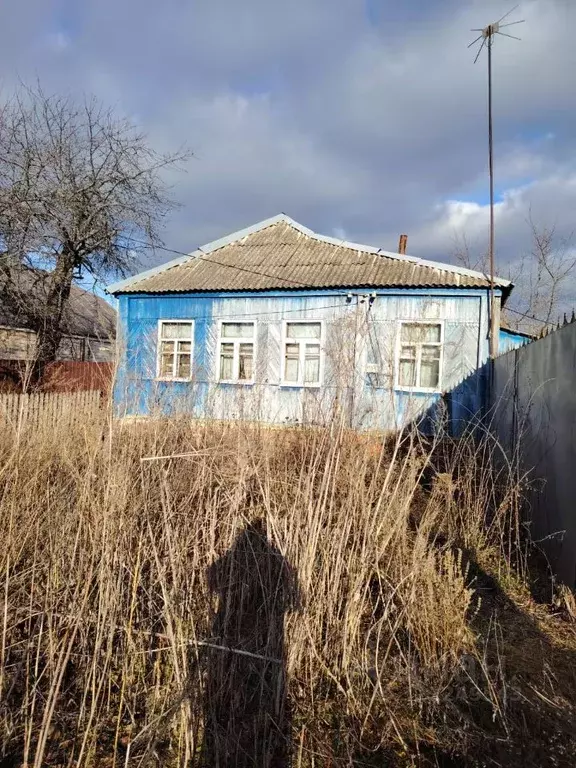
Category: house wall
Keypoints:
(356, 333)
(511, 340)
(17, 344)
(20, 344)
(86, 349)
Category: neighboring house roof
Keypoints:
(90, 315)
(280, 254)
(86, 314)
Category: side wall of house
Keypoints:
(359, 344)
(20, 344)
(17, 344)
(511, 340)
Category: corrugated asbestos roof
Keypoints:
(282, 254)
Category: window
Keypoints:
(301, 359)
(175, 338)
(419, 356)
(236, 359)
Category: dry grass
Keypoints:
(270, 597)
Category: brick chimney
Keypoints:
(402, 244)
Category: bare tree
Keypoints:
(464, 255)
(80, 189)
(543, 279)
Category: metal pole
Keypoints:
(493, 330)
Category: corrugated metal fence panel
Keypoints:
(49, 409)
(533, 413)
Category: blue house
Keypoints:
(276, 323)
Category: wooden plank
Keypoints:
(50, 410)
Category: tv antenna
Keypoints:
(487, 36)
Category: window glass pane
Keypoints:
(431, 333)
(407, 373)
(420, 332)
(407, 331)
(312, 364)
(185, 346)
(246, 362)
(430, 373)
(167, 359)
(183, 367)
(311, 369)
(226, 368)
(292, 362)
(408, 352)
(291, 369)
(431, 353)
(176, 330)
(238, 330)
(303, 330)
(226, 361)
(166, 365)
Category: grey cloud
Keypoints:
(354, 122)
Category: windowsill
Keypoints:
(172, 380)
(239, 383)
(297, 385)
(419, 390)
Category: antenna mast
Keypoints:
(487, 35)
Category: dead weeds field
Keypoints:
(183, 594)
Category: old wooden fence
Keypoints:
(49, 409)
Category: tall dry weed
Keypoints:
(177, 593)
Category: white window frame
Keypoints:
(179, 321)
(237, 340)
(289, 340)
(427, 390)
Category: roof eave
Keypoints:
(341, 288)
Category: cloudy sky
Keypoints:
(359, 118)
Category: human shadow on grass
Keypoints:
(246, 712)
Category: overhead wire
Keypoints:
(528, 316)
(230, 315)
(210, 260)
(344, 292)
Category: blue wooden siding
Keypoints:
(511, 340)
(355, 332)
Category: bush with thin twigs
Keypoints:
(180, 594)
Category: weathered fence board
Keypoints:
(49, 409)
